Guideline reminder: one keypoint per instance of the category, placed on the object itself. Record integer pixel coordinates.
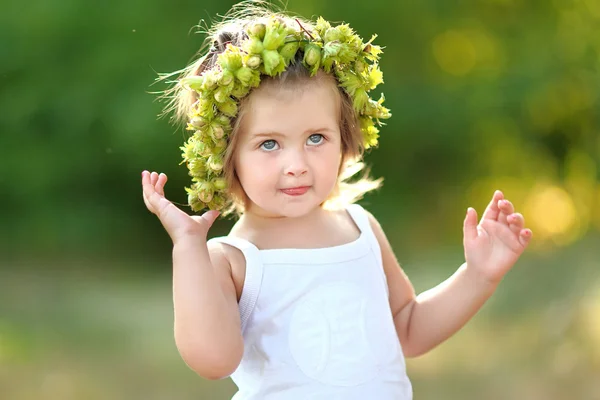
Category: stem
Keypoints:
(301, 27)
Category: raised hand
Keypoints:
(494, 245)
(176, 222)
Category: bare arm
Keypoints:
(491, 248)
(207, 321)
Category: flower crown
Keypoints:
(267, 50)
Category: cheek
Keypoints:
(253, 169)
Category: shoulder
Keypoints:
(373, 222)
(228, 261)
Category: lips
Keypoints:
(296, 191)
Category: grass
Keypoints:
(96, 333)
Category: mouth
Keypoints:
(296, 191)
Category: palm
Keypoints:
(176, 222)
(494, 245)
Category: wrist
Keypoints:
(189, 241)
(477, 279)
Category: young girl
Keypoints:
(304, 298)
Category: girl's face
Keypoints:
(289, 149)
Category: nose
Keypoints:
(295, 163)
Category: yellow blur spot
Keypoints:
(454, 53)
(551, 213)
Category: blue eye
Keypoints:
(315, 138)
(269, 145)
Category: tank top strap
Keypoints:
(253, 277)
(361, 219)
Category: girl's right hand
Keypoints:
(176, 222)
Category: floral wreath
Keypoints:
(267, 50)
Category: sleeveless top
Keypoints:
(317, 323)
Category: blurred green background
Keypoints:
(485, 94)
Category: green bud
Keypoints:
(332, 49)
(220, 146)
(275, 34)
(248, 77)
(257, 30)
(223, 120)
(312, 54)
(215, 162)
(205, 191)
(226, 78)
(193, 200)
(210, 80)
(240, 91)
(253, 46)
(188, 152)
(197, 122)
(222, 94)
(228, 108)
(359, 66)
(197, 168)
(230, 59)
(288, 51)
(360, 100)
(203, 149)
(219, 183)
(271, 60)
(216, 132)
(217, 203)
(333, 34)
(253, 61)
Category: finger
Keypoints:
(516, 222)
(160, 184)
(145, 177)
(492, 211)
(208, 217)
(153, 178)
(154, 201)
(146, 182)
(525, 236)
(506, 208)
(470, 224)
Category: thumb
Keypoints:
(470, 224)
(210, 217)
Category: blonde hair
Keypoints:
(231, 30)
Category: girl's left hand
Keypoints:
(494, 245)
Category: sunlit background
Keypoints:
(485, 95)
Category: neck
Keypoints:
(260, 221)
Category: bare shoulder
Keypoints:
(376, 226)
(229, 263)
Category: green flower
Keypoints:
(219, 183)
(275, 34)
(257, 30)
(271, 60)
(215, 162)
(288, 51)
(312, 57)
(248, 77)
(253, 45)
(268, 51)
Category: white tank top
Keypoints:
(317, 323)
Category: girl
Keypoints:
(304, 298)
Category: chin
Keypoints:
(288, 209)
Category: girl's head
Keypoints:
(278, 136)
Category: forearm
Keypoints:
(207, 333)
(438, 313)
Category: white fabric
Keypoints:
(317, 323)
